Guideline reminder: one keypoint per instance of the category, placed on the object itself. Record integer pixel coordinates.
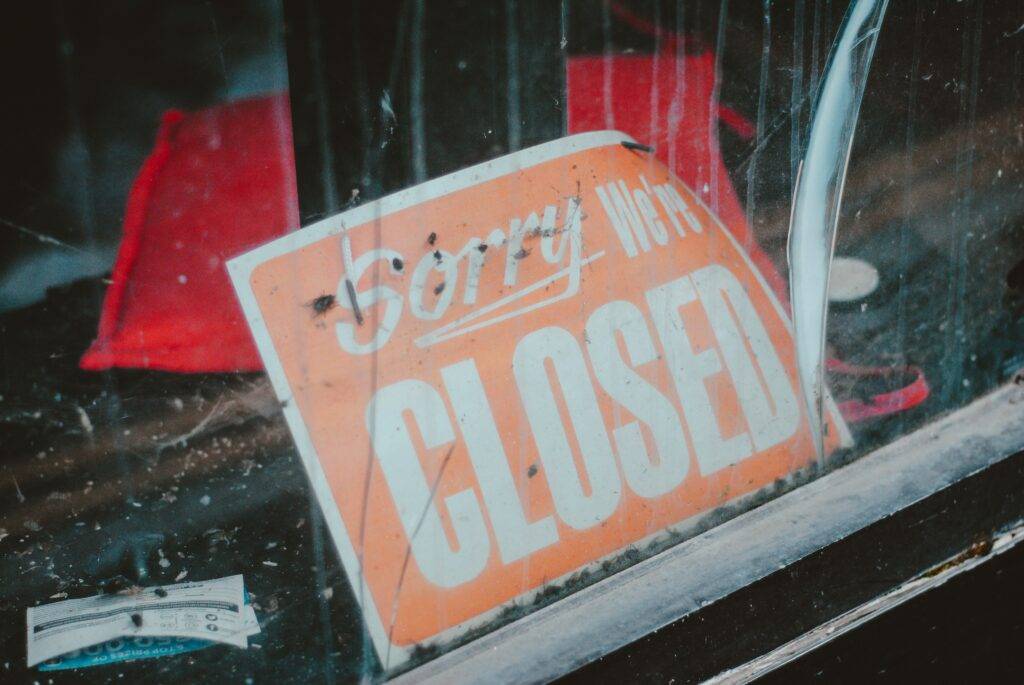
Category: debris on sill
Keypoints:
(981, 547)
(131, 624)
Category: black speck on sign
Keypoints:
(323, 304)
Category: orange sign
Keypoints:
(542, 361)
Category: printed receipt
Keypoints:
(211, 610)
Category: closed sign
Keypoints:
(541, 362)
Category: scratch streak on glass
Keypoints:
(819, 190)
(762, 97)
(606, 74)
(797, 95)
(908, 201)
(515, 119)
(408, 551)
(962, 224)
(419, 155)
(723, 16)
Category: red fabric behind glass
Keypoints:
(218, 182)
(667, 101)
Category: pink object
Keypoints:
(667, 100)
(218, 182)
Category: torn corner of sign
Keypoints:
(156, 621)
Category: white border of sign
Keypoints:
(240, 269)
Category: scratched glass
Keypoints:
(469, 401)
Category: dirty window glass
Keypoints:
(366, 330)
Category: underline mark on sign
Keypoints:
(454, 329)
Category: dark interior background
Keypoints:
(933, 200)
(86, 83)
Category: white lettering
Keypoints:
(517, 231)
(718, 288)
(650, 215)
(670, 208)
(683, 208)
(345, 330)
(624, 218)
(688, 370)
(632, 391)
(516, 538)
(575, 507)
(429, 262)
(440, 562)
